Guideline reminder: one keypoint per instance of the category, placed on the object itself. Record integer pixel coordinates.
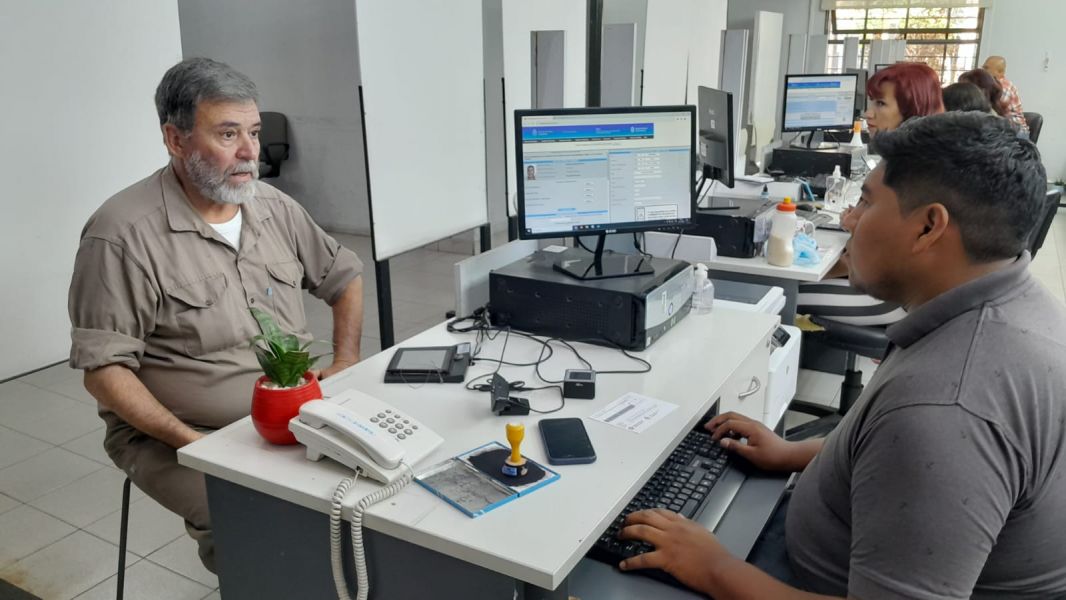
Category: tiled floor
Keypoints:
(59, 493)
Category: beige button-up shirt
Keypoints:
(157, 289)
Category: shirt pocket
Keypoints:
(286, 295)
(200, 315)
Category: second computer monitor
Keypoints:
(716, 134)
(860, 90)
(814, 102)
(585, 171)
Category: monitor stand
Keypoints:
(815, 141)
(582, 265)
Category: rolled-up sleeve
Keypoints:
(328, 266)
(112, 306)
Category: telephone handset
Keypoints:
(362, 432)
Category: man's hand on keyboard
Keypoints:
(683, 548)
(764, 448)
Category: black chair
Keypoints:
(1035, 121)
(124, 526)
(856, 341)
(273, 144)
(1051, 208)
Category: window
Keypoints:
(946, 39)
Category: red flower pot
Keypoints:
(272, 409)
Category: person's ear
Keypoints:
(933, 220)
(175, 140)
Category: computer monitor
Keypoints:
(815, 103)
(594, 171)
(860, 90)
(715, 144)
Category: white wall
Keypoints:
(1011, 31)
(79, 125)
(303, 57)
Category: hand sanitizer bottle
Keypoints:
(702, 291)
(835, 189)
(779, 251)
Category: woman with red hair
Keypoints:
(899, 92)
(896, 93)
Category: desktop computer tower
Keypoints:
(735, 224)
(627, 312)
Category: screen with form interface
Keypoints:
(591, 173)
(819, 101)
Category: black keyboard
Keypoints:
(682, 484)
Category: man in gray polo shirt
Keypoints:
(166, 272)
(947, 479)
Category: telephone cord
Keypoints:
(361, 577)
(335, 555)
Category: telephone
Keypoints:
(362, 432)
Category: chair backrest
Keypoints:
(1035, 121)
(273, 143)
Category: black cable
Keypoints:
(676, 242)
(582, 244)
(638, 244)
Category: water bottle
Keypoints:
(779, 251)
(835, 190)
(702, 291)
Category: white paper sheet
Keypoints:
(634, 412)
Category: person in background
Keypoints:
(895, 94)
(946, 478)
(991, 88)
(997, 66)
(966, 97)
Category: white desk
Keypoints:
(537, 539)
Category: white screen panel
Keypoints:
(422, 69)
(520, 19)
(705, 50)
(83, 73)
(666, 52)
(765, 77)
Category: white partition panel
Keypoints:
(666, 52)
(422, 70)
(765, 77)
(852, 57)
(79, 125)
(707, 24)
(520, 19)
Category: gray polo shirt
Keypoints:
(948, 477)
(157, 289)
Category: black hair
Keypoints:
(976, 165)
(965, 96)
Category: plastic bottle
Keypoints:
(765, 195)
(702, 291)
(856, 134)
(779, 250)
(835, 190)
(858, 150)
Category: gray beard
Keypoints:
(212, 183)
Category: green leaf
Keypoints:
(283, 359)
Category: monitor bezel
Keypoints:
(606, 229)
(730, 179)
(784, 103)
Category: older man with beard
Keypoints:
(166, 272)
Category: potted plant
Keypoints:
(287, 383)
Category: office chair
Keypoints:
(1051, 208)
(273, 144)
(1035, 121)
(124, 524)
(855, 340)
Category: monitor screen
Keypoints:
(716, 134)
(819, 102)
(604, 170)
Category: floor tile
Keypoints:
(25, 530)
(7, 503)
(59, 425)
(48, 471)
(151, 527)
(148, 580)
(16, 447)
(72, 388)
(91, 446)
(52, 375)
(181, 557)
(88, 499)
(20, 402)
(66, 568)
